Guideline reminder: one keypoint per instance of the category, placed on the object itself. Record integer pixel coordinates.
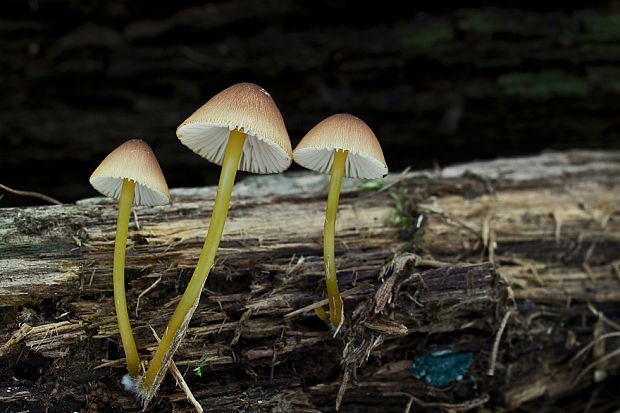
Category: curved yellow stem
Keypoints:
(214, 235)
(320, 313)
(120, 302)
(331, 281)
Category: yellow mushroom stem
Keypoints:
(122, 224)
(320, 313)
(331, 280)
(214, 235)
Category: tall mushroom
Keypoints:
(129, 173)
(342, 145)
(239, 128)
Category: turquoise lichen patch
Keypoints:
(442, 367)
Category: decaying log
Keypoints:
(514, 261)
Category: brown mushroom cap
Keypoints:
(132, 160)
(250, 109)
(346, 132)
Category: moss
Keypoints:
(601, 27)
(478, 23)
(606, 78)
(373, 185)
(428, 36)
(543, 85)
(200, 363)
(400, 216)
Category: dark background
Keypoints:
(438, 82)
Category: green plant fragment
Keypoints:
(374, 185)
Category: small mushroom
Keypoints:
(129, 173)
(342, 145)
(239, 128)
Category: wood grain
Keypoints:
(537, 236)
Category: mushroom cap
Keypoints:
(250, 109)
(133, 160)
(346, 132)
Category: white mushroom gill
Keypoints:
(111, 186)
(260, 155)
(358, 165)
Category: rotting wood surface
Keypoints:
(536, 236)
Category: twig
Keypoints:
(599, 351)
(531, 317)
(606, 320)
(466, 405)
(498, 338)
(608, 356)
(486, 228)
(588, 270)
(292, 268)
(219, 330)
(15, 338)
(31, 194)
(180, 380)
(177, 338)
(488, 236)
(592, 343)
(450, 220)
(325, 301)
(557, 232)
(397, 180)
(492, 246)
(593, 399)
(111, 363)
(135, 218)
(409, 403)
(343, 385)
(409, 296)
(539, 280)
(240, 324)
(146, 291)
(616, 269)
(589, 252)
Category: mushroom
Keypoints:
(129, 173)
(239, 128)
(346, 146)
